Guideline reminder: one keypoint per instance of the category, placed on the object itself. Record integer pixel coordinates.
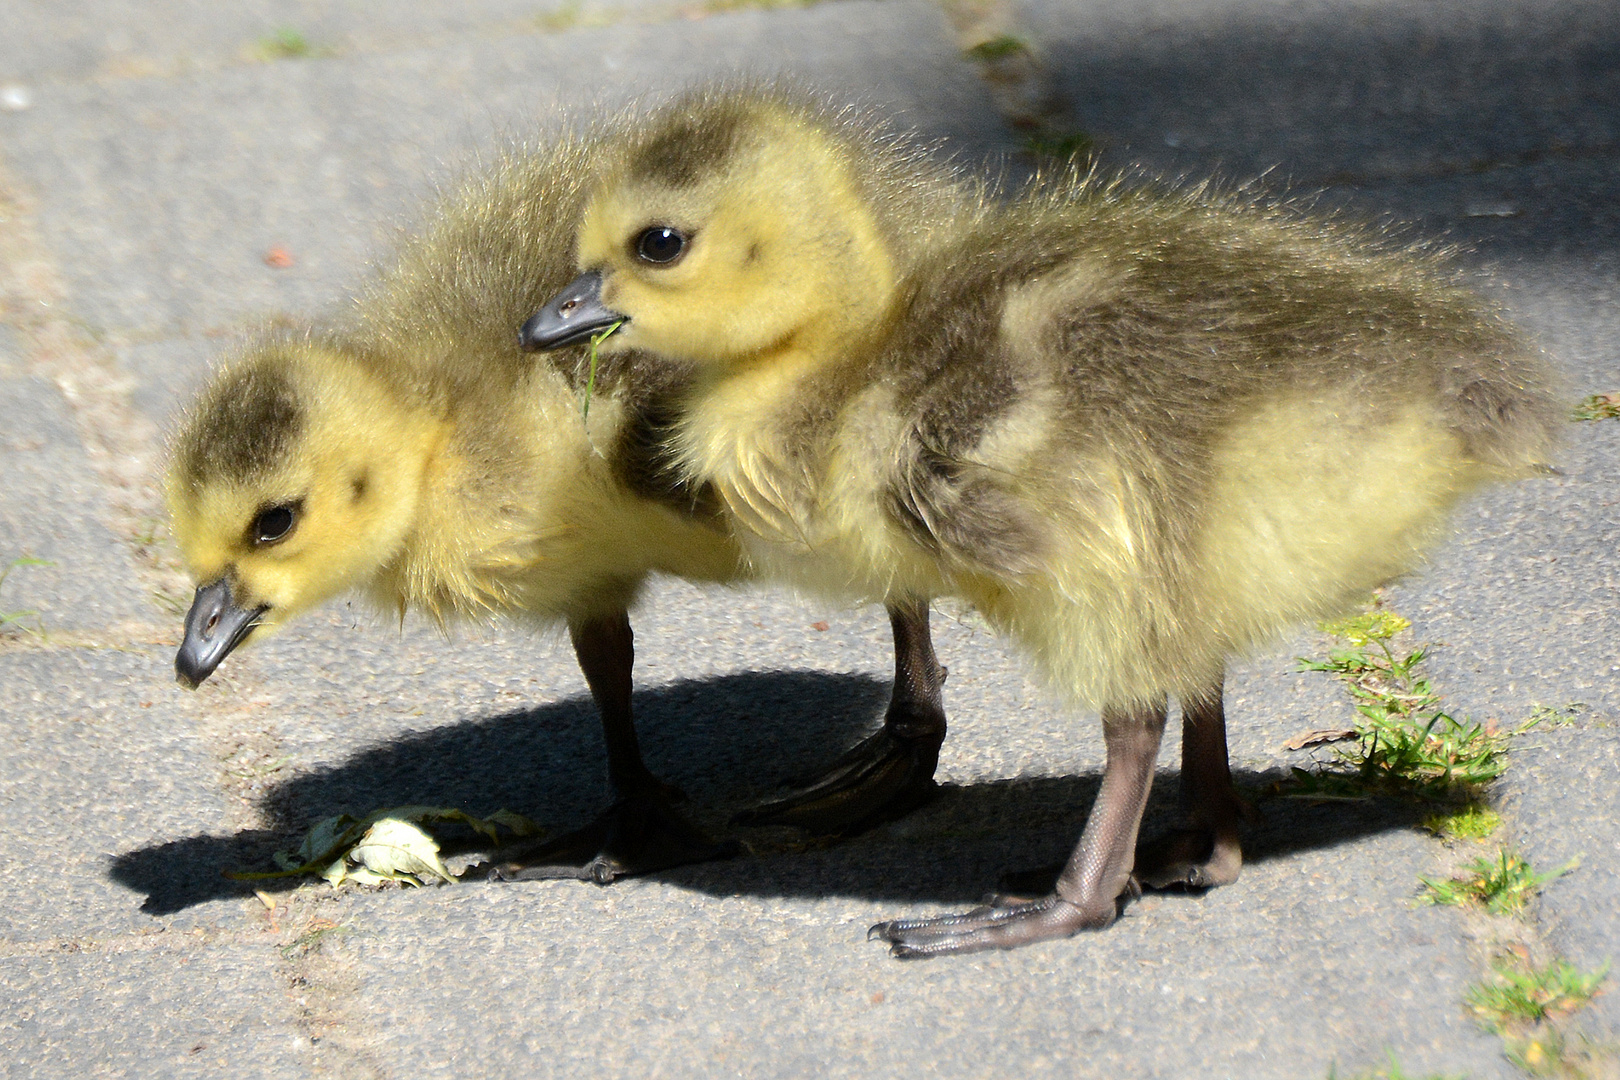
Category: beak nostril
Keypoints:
(213, 621)
(568, 306)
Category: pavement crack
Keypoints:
(322, 981)
(123, 447)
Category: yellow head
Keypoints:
(732, 227)
(297, 475)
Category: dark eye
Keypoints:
(660, 244)
(274, 524)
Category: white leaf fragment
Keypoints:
(399, 851)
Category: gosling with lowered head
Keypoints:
(414, 453)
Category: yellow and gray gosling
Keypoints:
(415, 454)
(1142, 431)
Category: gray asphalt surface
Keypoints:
(149, 160)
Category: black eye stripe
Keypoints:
(660, 245)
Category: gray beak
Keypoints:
(572, 315)
(214, 626)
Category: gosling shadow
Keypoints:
(729, 742)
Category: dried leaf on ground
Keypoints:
(1320, 737)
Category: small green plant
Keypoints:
(1503, 885)
(15, 618)
(1547, 716)
(1405, 744)
(1598, 406)
(1473, 822)
(1523, 994)
(997, 48)
(287, 44)
(1549, 1052)
(311, 939)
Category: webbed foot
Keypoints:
(1004, 923)
(890, 774)
(638, 834)
(1193, 858)
(1096, 877)
(881, 778)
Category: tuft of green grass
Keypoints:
(1473, 822)
(1563, 716)
(1523, 994)
(1597, 407)
(1549, 1052)
(997, 48)
(1503, 885)
(1406, 745)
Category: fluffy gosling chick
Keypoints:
(416, 455)
(1141, 431)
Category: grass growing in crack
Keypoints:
(1473, 822)
(1597, 407)
(1523, 994)
(1564, 716)
(311, 939)
(1405, 744)
(1549, 1052)
(1503, 885)
(15, 618)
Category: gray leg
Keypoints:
(1207, 853)
(888, 775)
(641, 831)
(1097, 874)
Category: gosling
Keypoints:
(415, 454)
(1141, 431)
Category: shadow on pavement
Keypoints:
(1334, 92)
(728, 741)
(1492, 123)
